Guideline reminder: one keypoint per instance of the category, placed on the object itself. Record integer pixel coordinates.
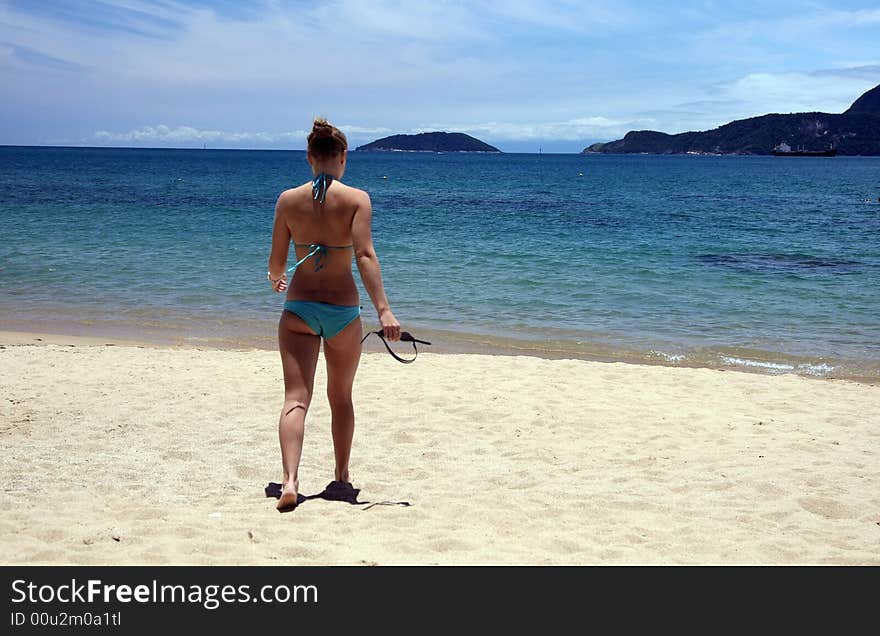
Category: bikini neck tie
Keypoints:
(319, 186)
(405, 336)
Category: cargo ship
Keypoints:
(784, 150)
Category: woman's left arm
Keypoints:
(280, 245)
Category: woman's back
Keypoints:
(324, 228)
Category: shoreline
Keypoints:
(446, 342)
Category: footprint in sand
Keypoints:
(177, 454)
(450, 545)
(402, 437)
(827, 508)
(246, 471)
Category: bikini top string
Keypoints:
(405, 336)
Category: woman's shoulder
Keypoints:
(302, 194)
(355, 193)
(291, 194)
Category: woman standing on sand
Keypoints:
(328, 221)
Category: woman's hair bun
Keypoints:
(322, 128)
(326, 140)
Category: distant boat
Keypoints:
(784, 150)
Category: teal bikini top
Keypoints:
(318, 250)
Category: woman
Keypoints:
(328, 221)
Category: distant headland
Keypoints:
(430, 142)
(853, 132)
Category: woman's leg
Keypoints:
(299, 356)
(342, 354)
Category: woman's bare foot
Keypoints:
(289, 496)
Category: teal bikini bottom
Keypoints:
(324, 319)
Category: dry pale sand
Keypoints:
(139, 455)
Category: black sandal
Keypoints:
(405, 336)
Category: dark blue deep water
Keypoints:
(767, 262)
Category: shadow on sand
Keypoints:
(334, 491)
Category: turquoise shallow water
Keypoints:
(753, 262)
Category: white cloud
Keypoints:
(364, 130)
(163, 134)
(859, 17)
(869, 71)
(566, 15)
(761, 93)
(569, 130)
(399, 19)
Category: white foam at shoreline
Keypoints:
(809, 369)
(816, 369)
(669, 357)
(756, 363)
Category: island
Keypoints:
(853, 132)
(429, 142)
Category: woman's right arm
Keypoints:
(280, 245)
(368, 266)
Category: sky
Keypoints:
(522, 75)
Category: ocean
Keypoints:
(757, 263)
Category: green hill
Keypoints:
(430, 142)
(867, 104)
(855, 132)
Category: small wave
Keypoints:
(776, 366)
(816, 369)
(669, 357)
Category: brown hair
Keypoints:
(326, 140)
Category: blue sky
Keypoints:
(519, 74)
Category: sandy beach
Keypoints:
(122, 453)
